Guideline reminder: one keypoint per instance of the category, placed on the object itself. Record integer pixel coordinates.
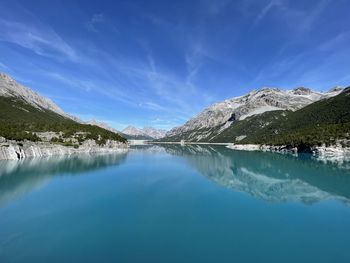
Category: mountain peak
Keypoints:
(336, 89)
(149, 132)
(10, 88)
(267, 89)
(302, 91)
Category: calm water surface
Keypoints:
(175, 204)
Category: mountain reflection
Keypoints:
(20, 177)
(268, 176)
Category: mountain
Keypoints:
(266, 103)
(146, 133)
(154, 133)
(11, 89)
(102, 125)
(325, 121)
(26, 115)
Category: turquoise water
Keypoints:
(175, 204)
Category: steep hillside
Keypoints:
(25, 115)
(11, 89)
(219, 117)
(325, 121)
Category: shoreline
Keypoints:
(191, 143)
(13, 150)
(333, 153)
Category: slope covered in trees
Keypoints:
(325, 121)
(20, 121)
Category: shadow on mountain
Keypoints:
(268, 176)
(20, 177)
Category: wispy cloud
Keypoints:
(266, 9)
(342, 39)
(292, 16)
(41, 39)
(194, 61)
(311, 17)
(96, 20)
(3, 66)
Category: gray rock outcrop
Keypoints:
(12, 150)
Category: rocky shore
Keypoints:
(13, 150)
(265, 148)
(334, 153)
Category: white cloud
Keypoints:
(96, 19)
(271, 4)
(41, 39)
(299, 21)
(3, 66)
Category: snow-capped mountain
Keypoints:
(144, 133)
(253, 103)
(10, 88)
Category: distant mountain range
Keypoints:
(146, 133)
(272, 116)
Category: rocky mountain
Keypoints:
(220, 116)
(326, 121)
(102, 125)
(10, 88)
(32, 125)
(146, 133)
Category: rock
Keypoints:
(335, 153)
(10, 150)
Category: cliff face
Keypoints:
(12, 150)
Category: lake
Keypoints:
(175, 203)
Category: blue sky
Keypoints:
(158, 63)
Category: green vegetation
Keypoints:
(324, 121)
(249, 127)
(19, 121)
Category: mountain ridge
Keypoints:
(223, 114)
(145, 133)
(10, 88)
(32, 125)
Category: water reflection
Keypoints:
(269, 176)
(20, 177)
